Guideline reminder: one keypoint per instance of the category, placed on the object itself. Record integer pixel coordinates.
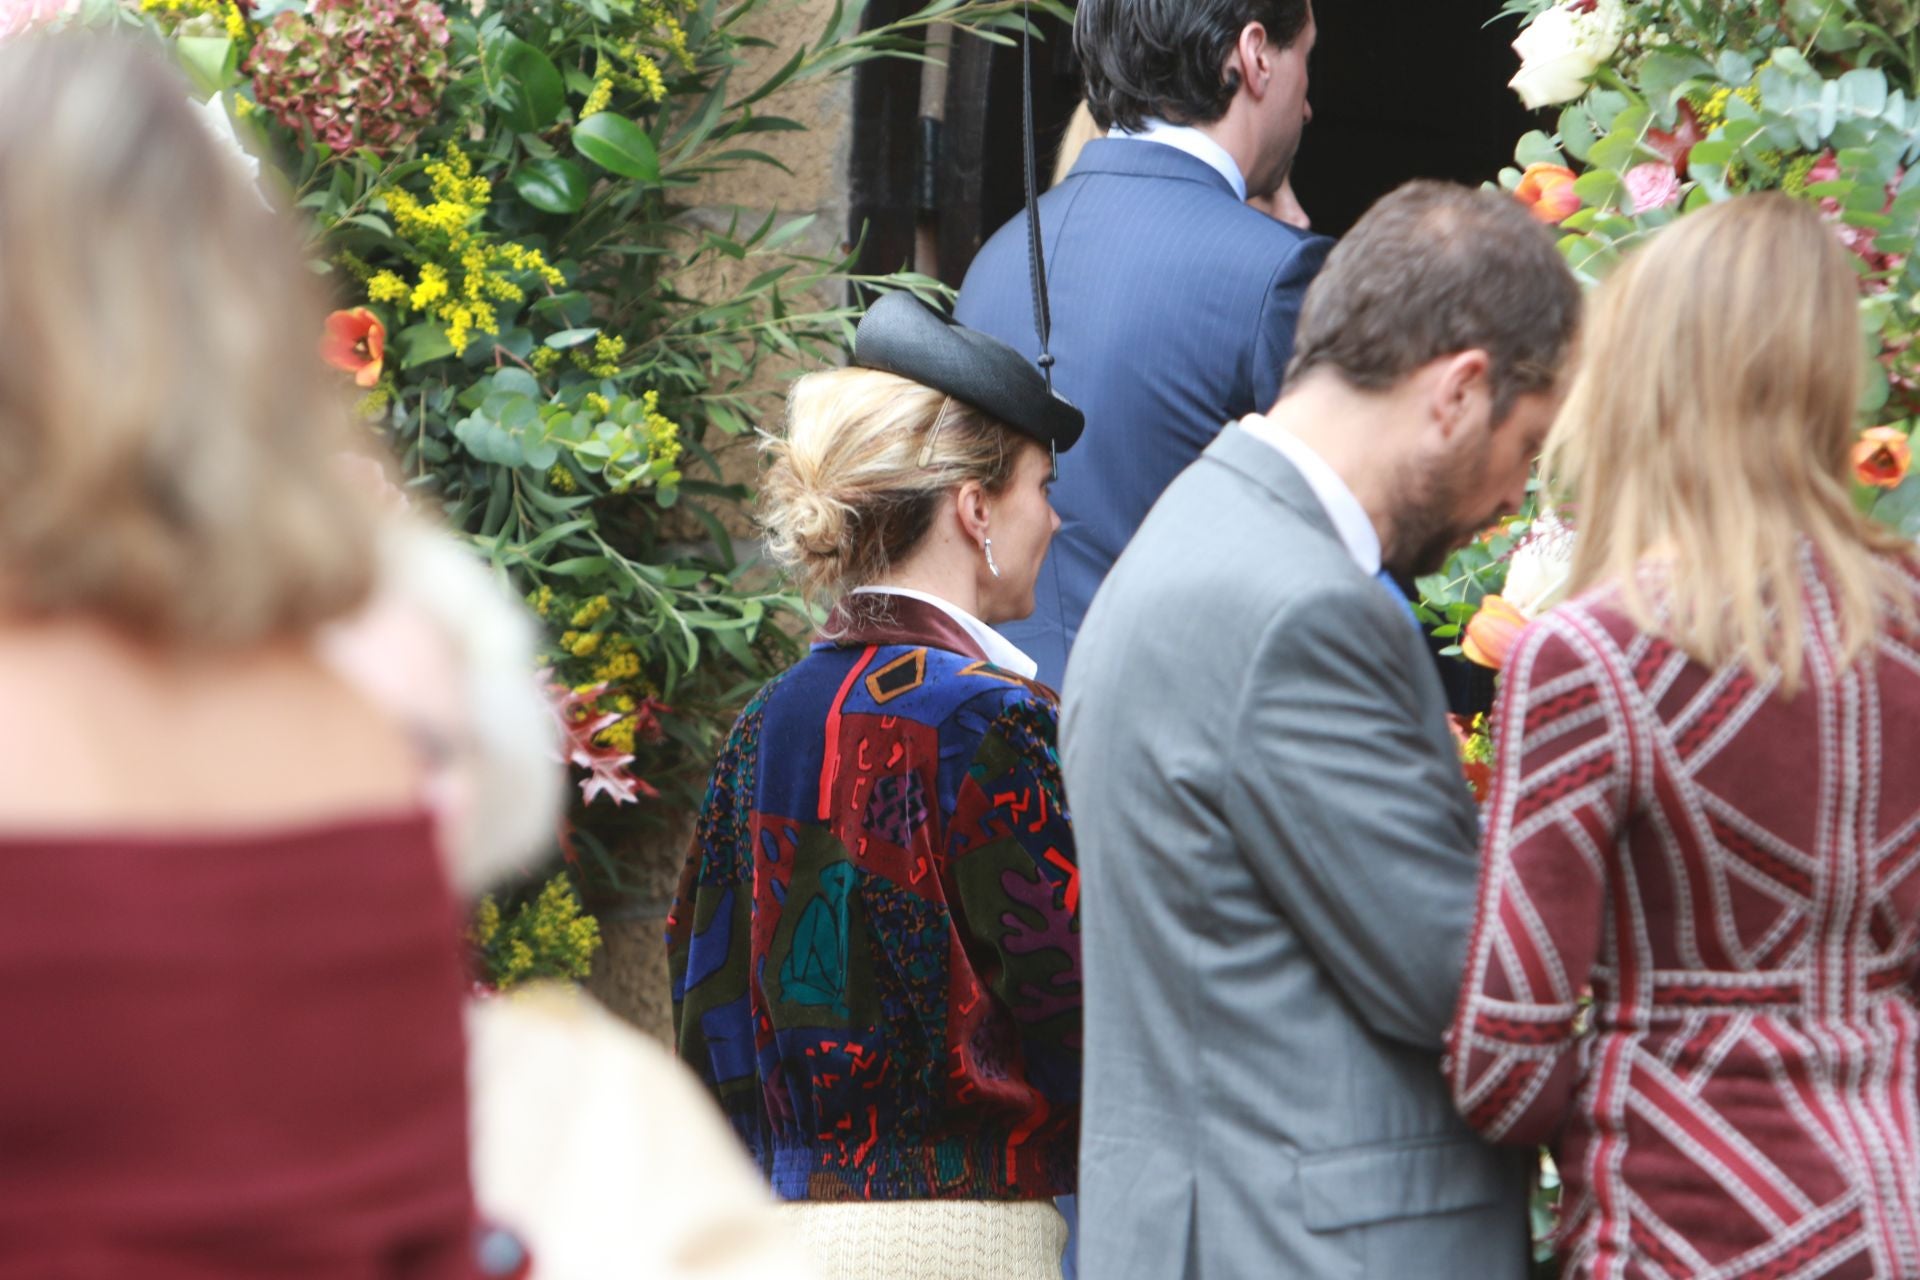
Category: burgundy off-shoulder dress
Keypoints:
(237, 1055)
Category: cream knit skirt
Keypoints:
(932, 1239)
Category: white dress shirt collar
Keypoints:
(1182, 137)
(1350, 519)
(1000, 651)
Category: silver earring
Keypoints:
(992, 568)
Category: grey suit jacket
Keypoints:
(1278, 871)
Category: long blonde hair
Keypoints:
(167, 430)
(1704, 441)
(856, 478)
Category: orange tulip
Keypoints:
(356, 342)
(1491, 633)
(1882, 457)
(1547, 191)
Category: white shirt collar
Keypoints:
(1000, 651)
(1182, 137)
(1350, 519)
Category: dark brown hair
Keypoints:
(1434, 269)
(1165, 58)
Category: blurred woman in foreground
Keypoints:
(233, 984)
(1705, 807)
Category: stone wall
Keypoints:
(630, 974)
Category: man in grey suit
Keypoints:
(1277, 848)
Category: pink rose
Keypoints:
(1653, 185)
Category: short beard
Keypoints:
(1427, 526)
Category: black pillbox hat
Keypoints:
(902, 335)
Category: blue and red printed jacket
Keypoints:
(876, 945)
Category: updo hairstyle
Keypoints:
(860, 470)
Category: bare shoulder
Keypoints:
(103, 733)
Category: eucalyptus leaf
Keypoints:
(1536, 147)
(516, 382)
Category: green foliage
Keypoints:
(1820, 98)
(1479, 569)
(569, 343)
(548, 937)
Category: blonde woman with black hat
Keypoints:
(875, 952)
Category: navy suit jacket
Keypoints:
(1174, 306)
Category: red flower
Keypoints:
(1882, 457)
(1862, 242)
(1473, 765)
(356, 342)
(1676, 148)
(579, 723)
(1547, 191)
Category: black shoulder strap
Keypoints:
(1036, 252)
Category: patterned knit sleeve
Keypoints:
(709, 935)
(1558, 800)
(1016, 887)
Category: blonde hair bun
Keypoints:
(853, 482)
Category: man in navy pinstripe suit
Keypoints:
(1174, 302)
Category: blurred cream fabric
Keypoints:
(445, 648)
(605, 1156)
(933, 1239)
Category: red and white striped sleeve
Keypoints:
(1559, 796)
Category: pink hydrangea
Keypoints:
(357, 74)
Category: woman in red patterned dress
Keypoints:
(1706, 811)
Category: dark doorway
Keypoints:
(1401, 89)
(1405, 89)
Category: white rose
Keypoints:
(1539, 570)
(1563, 47)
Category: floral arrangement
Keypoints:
(1665, 106)
(1536, 574)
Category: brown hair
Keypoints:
(856, 479)
(1434, 269)
(166, 426)
(1705, 438)
(1168, 58)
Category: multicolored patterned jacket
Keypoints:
(875, 949)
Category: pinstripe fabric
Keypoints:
(1736, 876)
(1174, 307)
